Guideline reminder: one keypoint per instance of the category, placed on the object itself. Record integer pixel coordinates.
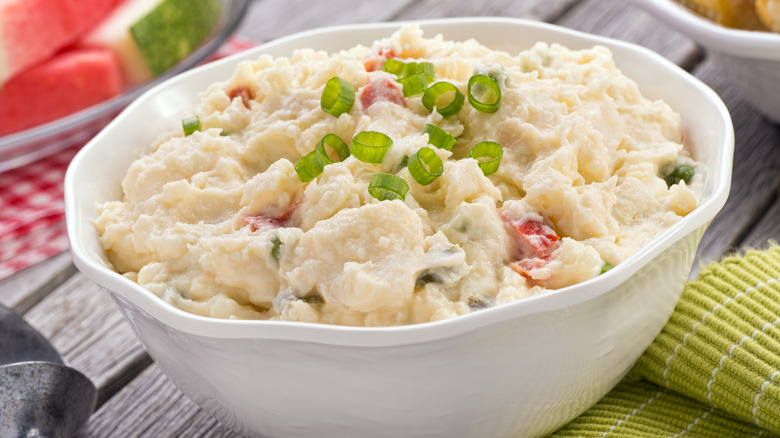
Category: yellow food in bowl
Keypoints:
(739, 14)
(221, 223)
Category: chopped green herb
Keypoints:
(276, 248)
(681, 172)
(605, 267)
(314, 299)
(477, 303)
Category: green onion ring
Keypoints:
(337, 97)
(190, 125)
(370, 146)
(393, 66)
(309, 166)
(439, 137)
(425, 166)
(487, 81)
(414, 68)
(605, 267)
(414, 84)
(337, 144)
(426, 68)
(439, 89)
(387, 187)
(488, 155)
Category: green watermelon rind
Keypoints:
(173, 30)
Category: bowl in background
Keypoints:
(23, 147)
(521, 369)
(751, 59)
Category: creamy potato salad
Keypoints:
(410, 181)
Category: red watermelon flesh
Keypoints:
(33, 30)
(66, 83)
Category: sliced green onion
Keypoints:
(190, 125)
(413, 85)
(681, 172)
(486, 88)
(425, 166)
(393, 66)
(438, 90)
(414, 68)
(488, 155)
(605, 267)
(439, 137)
(338, 96)
(309, 166)
(370, 146)
(387, 187)
(337, 144)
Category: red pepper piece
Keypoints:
(538, 235)
(381, 89)
(377, 61)
(260, 222)
(525, 266)
(242, 92)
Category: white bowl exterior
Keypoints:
(521, 377)
(526, 367)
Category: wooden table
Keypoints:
(136, 399)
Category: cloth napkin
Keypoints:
(32, 209)
(713, 371)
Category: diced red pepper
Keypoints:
(381, 89)
(377, 61)
(260, 222)
(538, 235)
(242, 92)
(525, 267)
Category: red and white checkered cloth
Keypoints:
(32, 209)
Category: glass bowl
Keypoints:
(23, 147)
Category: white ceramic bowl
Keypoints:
(521, 369)
(751, 59)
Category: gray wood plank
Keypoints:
(768, 229)
(544, 10)
(24, 289)
(151, 406)
(616, 20)
(756, 172)
(270, 19)
(86, 327)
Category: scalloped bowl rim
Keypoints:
(78, 224)
(737, 42)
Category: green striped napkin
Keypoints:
(713, 371)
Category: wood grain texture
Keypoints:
(756, 170)
(151, 406)
(138, 400)
(270, 19)
(25, 288)
(768, 228)
(544, 10)
(628, 23)
(85, 325)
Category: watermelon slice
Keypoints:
(66, 83)
(150, 36)
(33, 30)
